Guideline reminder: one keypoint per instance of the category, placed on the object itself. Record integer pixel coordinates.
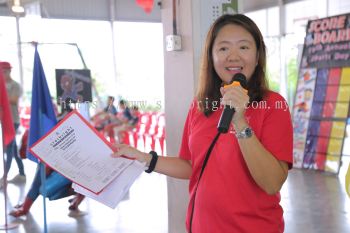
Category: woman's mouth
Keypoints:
(234, 70)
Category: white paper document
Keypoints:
(116, 191)
(77, 151)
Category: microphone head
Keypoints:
(239, 77)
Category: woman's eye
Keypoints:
(244, 47)
(223, 49)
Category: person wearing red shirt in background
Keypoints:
(239, 189)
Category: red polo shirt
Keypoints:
(228, 199)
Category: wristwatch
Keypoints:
(246, 132)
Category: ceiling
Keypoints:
(99, 9)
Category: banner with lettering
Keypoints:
(322, 98)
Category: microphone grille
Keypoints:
(239, 77)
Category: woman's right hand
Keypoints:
(130, 152)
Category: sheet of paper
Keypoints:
(78, 152)
(115, 192)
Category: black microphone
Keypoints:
(227, 114)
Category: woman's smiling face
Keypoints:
(234, 51)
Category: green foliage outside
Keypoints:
(292, 77)
(273, 77)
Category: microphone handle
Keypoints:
(225, 119)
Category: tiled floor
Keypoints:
(313, 203)
(143, 211)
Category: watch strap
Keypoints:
(153, 162)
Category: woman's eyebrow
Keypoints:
(239, 41)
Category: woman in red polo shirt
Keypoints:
(238, 190)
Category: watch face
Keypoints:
(248, 132)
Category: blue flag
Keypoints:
(43, 116)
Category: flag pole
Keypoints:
(7, 225)
(43, 182)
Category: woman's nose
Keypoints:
(233, 56)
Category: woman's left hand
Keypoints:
(236, 97)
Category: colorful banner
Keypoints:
(323, 94)
(327, 42)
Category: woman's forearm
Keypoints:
(171, 166)
(167, 165)
(267, 171)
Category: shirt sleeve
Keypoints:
(185, 152)
(277, 130)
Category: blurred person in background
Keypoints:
(14, 92)
(105, 117)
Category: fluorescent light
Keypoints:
(17, 8)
